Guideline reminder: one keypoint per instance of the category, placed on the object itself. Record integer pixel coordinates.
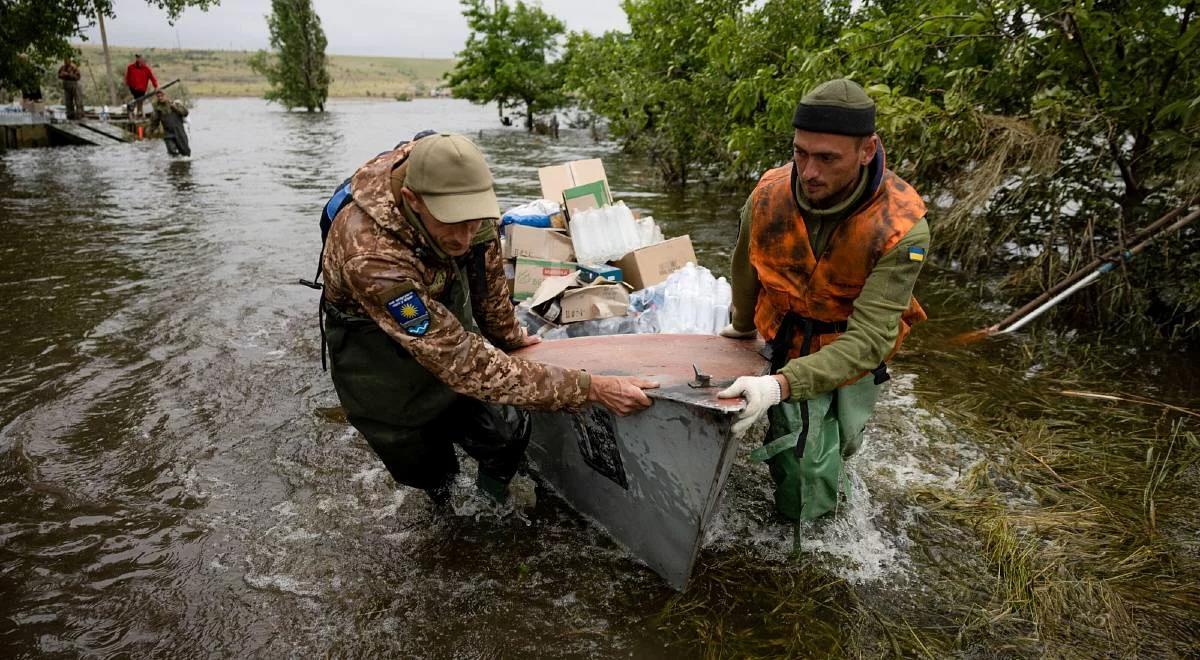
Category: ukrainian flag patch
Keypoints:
(410, 312)
(916, 254)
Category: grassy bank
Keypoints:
(227, 73)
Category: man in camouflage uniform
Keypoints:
(69, 74)
(418, 320)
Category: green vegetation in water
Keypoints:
(1076, 532)
(509, 58)
(296, 67)
(1042, 132)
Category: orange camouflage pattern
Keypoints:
(794, 279)
(373, 250)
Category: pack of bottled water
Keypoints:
(608, 233)
(690, 301)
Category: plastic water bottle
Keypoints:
(721, 304)
(702, 313)
(689, 285)
(645, 231)
(583, 237)
(672, 304)
(628, 230)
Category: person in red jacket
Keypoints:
(139, 77)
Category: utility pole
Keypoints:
(112, 91)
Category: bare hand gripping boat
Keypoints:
(652, 480)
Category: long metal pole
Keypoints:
(1152, 230)
(1091, 277)
(1103, 268)
(112, 90)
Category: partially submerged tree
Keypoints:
(36, 34)
(1045, 130)
(296, 67)
(508, 58)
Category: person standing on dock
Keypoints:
(419, 323)
(139, 77)
(69, 74)
(170, 114)
(828, 253)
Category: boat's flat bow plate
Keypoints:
(666, 359)
(652, 479)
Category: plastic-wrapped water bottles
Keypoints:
(608, 233)
(603, 234)
(648, 231)
(694, 302)
(702, 309)
(721, 304)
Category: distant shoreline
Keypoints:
(381, 99)
(210, 73)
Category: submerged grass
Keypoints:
(1069, 507)
(1075, 535)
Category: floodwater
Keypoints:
(175, 480)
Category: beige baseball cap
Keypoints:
(453, 179)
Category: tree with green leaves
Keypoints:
(509, 58)
(654, 83)
(1044, 130)
(296, 67)
(36, 34)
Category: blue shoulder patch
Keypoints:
(916, 254)
(410, 312)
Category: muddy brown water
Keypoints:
(174, 480)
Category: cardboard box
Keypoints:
(587, 196)
(589, 272)
(530, 273)
(567, 300)
(537, 243)
(652, 264)
(594, 301)
(557, 178)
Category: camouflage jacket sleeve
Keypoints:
(463, 360)
(495, 314)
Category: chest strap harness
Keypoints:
(776, 352)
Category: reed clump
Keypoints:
(1074, 533)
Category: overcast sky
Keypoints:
(400, 28)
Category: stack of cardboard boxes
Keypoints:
(542, 268)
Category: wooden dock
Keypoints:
(87, 133)
(23, 130)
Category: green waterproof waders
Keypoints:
(806, 443)
(410, 418)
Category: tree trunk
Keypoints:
(529, 116)
(112, 90)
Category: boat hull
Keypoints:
(654, 479)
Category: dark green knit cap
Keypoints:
(839, 106)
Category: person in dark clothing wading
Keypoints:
(170, 114)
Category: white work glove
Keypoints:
(729, 331)
(761, 392)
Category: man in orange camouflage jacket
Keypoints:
(829, 251)
(418, 319)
